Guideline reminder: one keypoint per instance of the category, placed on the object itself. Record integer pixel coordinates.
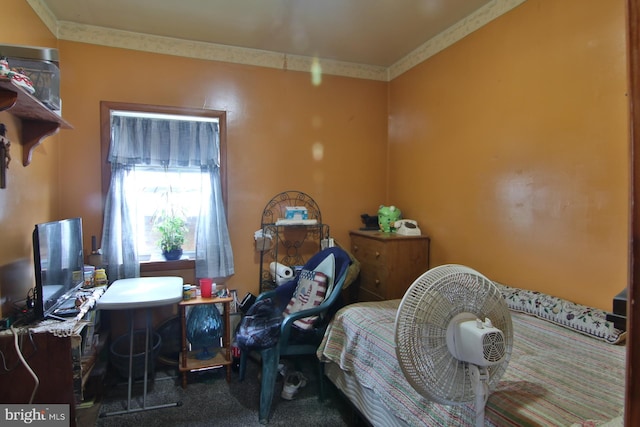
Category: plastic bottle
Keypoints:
(101, 277)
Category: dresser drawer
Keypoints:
(374, 279)
(389, 263)
(368, 251)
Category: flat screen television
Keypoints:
(59, 264)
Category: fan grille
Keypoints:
(493, 347)
(421, 326)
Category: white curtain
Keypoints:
(119, 251)
(165, 142)
(213, 257)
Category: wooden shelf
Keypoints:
(38, 121)
(187, 360)
(192, 363)
(201, 300)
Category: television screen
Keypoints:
(59, 264)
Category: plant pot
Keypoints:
(172, 255)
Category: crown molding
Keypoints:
(45, 15)
(451, 35)
(209, 51)
(70, 31)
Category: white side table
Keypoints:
(140, 292)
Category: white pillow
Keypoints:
(328, 267)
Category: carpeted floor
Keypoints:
(209, 400)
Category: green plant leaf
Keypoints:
(173, 230)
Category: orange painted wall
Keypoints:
(31, 193)
(274, 117)
(511, 148)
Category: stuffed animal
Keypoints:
(387, 216)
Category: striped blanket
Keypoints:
(556, 377)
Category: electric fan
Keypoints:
(454, 336)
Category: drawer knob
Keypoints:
(377, 254)
(355, 248)
(377, 282)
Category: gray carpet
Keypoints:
(209, 400)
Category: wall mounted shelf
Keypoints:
(38, 121)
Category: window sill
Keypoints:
(181, 264)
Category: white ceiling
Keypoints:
(369, 39)
(367, 32)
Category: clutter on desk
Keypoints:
(89, 273)
(188, 292)
(206, 287)
(222, 291)
(100, 278)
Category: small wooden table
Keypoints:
(188, 361)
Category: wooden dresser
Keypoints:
(389, 263)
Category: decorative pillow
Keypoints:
(586, 320)
(310, 292)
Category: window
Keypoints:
(164, 188)
(160, 159)
(153, 186)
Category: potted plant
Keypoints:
(173, 230)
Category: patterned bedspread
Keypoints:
(556, 377)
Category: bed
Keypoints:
(567, 367)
